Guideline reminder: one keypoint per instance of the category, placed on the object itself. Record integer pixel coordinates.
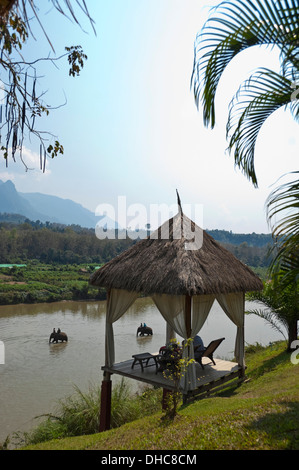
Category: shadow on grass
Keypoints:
(280, 425)
(269, 364)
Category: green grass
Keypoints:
(260, 414)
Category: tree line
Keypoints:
(252, 239)
(55, 244)
(59, 244)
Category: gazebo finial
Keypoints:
(179, 202)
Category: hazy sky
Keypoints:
(130, 127)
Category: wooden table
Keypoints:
(143, 359)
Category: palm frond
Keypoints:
(257, 98)
(232, 28)
(283, 199)
(284, 202)
(269, 317)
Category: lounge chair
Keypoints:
(209, 351)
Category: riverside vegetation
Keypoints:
(38, 282)
(59, 259)
(261, 413)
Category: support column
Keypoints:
(188, 300)
(105, 413)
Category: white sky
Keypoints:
(131, 128)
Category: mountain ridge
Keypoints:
(44, 207)
(53, 209)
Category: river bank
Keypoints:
(39, 283)
(44, 283)
(261, 414)
(37, 374)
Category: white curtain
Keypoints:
(172, 308)
(169, 333)
(201, 306)
(119, 301)
(234, 307)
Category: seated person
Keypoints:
(198, 347)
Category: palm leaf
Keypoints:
(269, 317)
(284, 202)
(236, 27)
(259, 97)
(232, 28)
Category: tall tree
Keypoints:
(21, 103)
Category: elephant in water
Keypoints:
(144, 330)
(58, 337)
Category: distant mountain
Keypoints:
(46, 208)
(56, 209)
(12, 202)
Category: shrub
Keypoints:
(79, 413)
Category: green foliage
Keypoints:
(282, 212)
(14, 33)
(251, 239)
(232, 28)
(61, 258)
(79, 414)
(54, 151)
(23, 103)
(76, 59)
(44, 283)
(175, 367)
(282, 307)
(56, 244)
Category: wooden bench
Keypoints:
(143, 360)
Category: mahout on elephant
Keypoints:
(61, 336)
(144, 330)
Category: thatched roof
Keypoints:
(165, 266)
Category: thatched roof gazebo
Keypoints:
(184, 270)
(167, 266)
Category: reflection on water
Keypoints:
(36, 374)
(57, 349)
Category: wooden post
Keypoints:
(188, 299)
(105, 413)
(242, 372)
(188, 306)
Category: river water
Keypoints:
(36, 374)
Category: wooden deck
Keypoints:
(213, 376)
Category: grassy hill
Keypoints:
(260, 414)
